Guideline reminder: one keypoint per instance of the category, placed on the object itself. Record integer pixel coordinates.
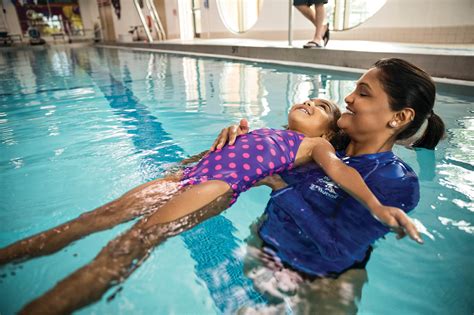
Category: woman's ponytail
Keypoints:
(434, 132)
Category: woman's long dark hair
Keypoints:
(409, 86)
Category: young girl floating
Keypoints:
(264, 152)
(176, 203)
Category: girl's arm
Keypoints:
(349, 179)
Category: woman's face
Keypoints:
(368, 111)
(313, 118)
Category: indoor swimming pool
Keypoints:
(80, 127)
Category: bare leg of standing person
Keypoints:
(141, 200)
(320, 18)
(317, 16)
(121, 256)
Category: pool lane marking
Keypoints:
(149, 133)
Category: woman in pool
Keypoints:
(312, 216)
(238, 167)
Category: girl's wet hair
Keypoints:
(336, 114)
(408, 86)
(340, 140)
(336, 136)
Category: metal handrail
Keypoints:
(153, 18)
(161, 31)
(142, 19)
(290, 23)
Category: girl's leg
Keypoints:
(120, 257)
(140, 200)
(188, 201)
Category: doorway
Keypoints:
(197, 18)
(106, 20)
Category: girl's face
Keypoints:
(368, 112)
(312, 118)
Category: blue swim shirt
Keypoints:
(317, 228)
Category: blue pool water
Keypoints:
(79, 127)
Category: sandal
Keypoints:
(326, 35)
(312, 44)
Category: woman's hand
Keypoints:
(275, 182)
(399, 222)
(228, 135)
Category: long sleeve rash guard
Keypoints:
(317, 228)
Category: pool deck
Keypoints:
(452, 64)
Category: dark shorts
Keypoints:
(309, 2)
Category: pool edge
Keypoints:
(445, 69)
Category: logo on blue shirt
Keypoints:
(326, 187)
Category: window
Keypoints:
(239, 15)
(345, 14)
(50, 17)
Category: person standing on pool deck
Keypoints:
(391, 102)
(317, 17)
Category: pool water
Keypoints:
(79, 127)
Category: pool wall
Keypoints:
(456, 64)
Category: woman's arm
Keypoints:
(349, 179)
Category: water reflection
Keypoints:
(243, 91)
(461, 139)
(195, 87)
(457, 169)
(288, 292)
(461, 225)
(427, 164)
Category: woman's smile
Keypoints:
(348, 111)
(368, 111)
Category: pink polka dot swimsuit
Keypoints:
(254, 155)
